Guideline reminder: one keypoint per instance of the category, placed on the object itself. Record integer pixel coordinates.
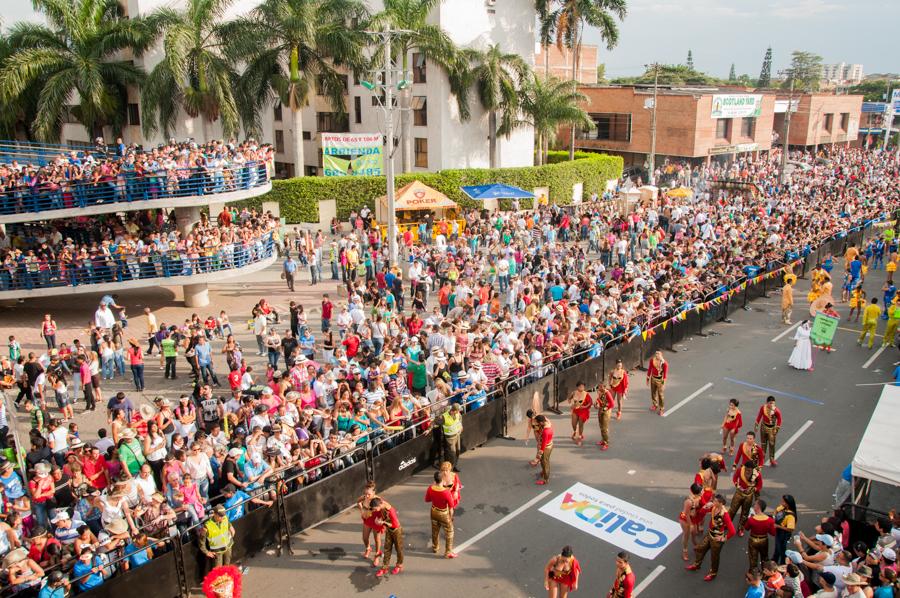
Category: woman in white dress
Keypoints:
(801, 357)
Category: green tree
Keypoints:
(434, 45)
(765, 74)
(547, 17)
(291, 47)
(573, 16)
(671, 74)
(497, 77)
(547, 103)
(873, 90)
(731, 74)
(805, 70)
(76, 55)
(196, 74)
(601, 72)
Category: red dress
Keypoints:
(735, 422)
(622, 387)
(568, 578)
(583, 412)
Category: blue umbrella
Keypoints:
(496, 191)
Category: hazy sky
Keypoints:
(720, 32)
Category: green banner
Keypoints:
(823, 329)
(352, 154)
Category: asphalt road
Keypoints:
(650, 464)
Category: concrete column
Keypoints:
(215, 208)
(186, 217)
(195, 295)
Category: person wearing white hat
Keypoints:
(23, 573)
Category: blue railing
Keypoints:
(41, 154)
(25, 275)
(127, 187)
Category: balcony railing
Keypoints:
(128, 187)
(22, 275)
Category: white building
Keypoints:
(842, 73)
(440, 139)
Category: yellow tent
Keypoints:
(680, 192)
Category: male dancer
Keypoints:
(441, 499)
(623, 586)
(768, 422)
(720, 530)
(760, 526)
(545, 448)
(749, 450)
(657, 373)
(747, 486)
(605, 405)
(393, 535)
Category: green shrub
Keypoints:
(299, 197)
(557, 156)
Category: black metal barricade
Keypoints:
(396, 465)
(590, 372)
(482, 424)
(325, 498)
(157, 578)
(516, 403)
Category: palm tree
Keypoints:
(435, 46)
(547, 18)
(76, 56)
(290, 47)
(196, 74)
(497, 77)
(573, 15)
(546, 104)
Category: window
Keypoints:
(379, 100)
(69, 115)
(829, 120)
(723, 128)
(278, 111)
(845, 121)
(307, 135)
(332, 122)
(279, 141)
(420, 111)
(610, 127)
(283, 170)
(421, 147)
(320, 84)
(748, 127)
(418, 68)
(134, 115)
(355, 78)
(357, 109)
(311, 170)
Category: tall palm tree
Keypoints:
(546, 104)
(290, 46)
(573, 15)
(76, 56)
(196, 74)
(497, 77)
(435, 46)
(547, 17)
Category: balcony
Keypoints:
(103, 273)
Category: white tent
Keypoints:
(876, 458)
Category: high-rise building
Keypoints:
(842, 73)
(440, 139)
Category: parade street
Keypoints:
(504, 540)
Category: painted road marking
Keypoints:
(777, 392)
(793, 439)
(780, 336)
(647, 581)
(854, 331)
(503, 521)
(874, 357)
(693, 395)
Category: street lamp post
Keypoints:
(785, 143)
(384, 82)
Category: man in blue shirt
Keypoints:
(756, 589)
(137, 551)
(235, 502)
(288, 269)
(88, 571)
(56, 587)
(204, 360)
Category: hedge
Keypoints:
(557, 156)
(299, 197)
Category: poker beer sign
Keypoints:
(620, 523)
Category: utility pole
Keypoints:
(787, 130)
(652, 160)
(384, 82)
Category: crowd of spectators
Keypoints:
(138, 245)
(131, 173)
(503, 296)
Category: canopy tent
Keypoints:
(496, 191)
(876, 458)
(418, 196)
(679, 192)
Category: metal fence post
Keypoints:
(284, 526)
(180, 570)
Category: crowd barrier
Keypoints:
(393, 459)
(130, 187)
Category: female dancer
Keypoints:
(691, 519)
(561, 574)
(618, 383)
(450, 480)
(581, 401)
(730, 426)
(370, 525)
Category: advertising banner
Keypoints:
(895, 102)
(352, 154)
(620, 523)
(736, 105)
(823, 329)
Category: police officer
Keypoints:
(218, 537)
(451, 430)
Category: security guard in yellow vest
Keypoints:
(451, 430)
(218, 537)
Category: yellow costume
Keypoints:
(856, 297)
(893, 322)
(870, 324)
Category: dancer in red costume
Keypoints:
(731, 426)
(618, 383)
(580, 401)
(561, 574)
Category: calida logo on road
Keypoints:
(610, 521)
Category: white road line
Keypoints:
(503, 521)
(648, 580)
(873, 358)
(693, 395)
(793, 439)
(780, 336)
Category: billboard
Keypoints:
(736, 105)
(352, 154)
(895, 102)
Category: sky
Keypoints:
(722, 32)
